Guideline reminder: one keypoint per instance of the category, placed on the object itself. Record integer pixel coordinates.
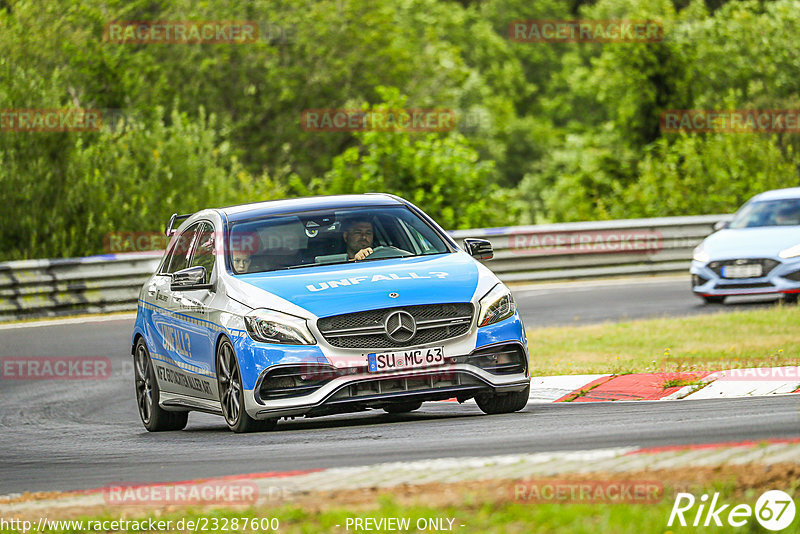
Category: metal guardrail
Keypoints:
(564, 251)
(50, 288)
(567, 251)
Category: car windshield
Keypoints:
(784, 212)
(321, 238)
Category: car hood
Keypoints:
(760, 242)
(334, 289)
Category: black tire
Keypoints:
(154, 417)
(503, 402)
(790, 298)
(231, 393)
(403, 407)
(709, 299)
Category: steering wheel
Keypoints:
(387, 252)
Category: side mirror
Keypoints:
(719, 225)
(190, 278)
(480, 249)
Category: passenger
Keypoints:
(358, 238)
(241, 261)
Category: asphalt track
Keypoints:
(64, 435)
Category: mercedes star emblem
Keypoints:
(400, 326)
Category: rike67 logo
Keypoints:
(774, 510)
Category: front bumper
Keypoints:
(360, 392)
(782, 278)
(498, 368)
(345, 384)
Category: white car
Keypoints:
(757, 252)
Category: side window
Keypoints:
(204, 249)
(427, 248)
(179, 255)
(418, 241)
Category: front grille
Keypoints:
(378, 387)
(435, 322)
(767, 264)
(752, 285)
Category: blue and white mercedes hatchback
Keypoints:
(317, 306)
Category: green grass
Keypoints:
(470, 516)
(754, 338)
(680, 382)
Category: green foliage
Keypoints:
(438, 171)
(117, 181)
(706, 174)
(609, 158)
(546, 131)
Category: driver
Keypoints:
(358, 238)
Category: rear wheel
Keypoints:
(503, 402)
(231, 393)
(154, 417)
(711, 299)
(402, 407)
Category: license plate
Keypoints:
(405, 359)
(742, 271)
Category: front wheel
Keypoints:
(231, 393)
(154, 417)
(503, 402)
(790, 298)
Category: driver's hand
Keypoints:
(363, 253)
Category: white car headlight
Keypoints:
(700, 255)
(270, 326)
(791, 252)
(496, 305)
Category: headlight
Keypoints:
(700, 255)
(791, 252)
(496, 305)
(272, 326)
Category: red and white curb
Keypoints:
(279, 486)
(731, 383)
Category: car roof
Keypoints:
(291, 205)
(778, 194)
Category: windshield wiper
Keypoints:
(300, 266)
